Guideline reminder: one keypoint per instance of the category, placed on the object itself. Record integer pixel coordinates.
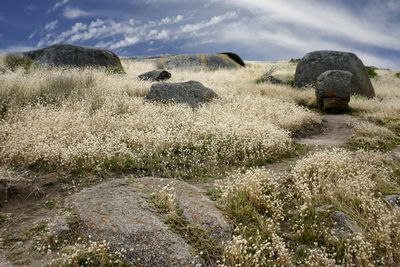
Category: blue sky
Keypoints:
(255, 29)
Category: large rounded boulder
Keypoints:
(74, 56)
(192, 93)
(312, 65)
(226, 60)
(333, 90)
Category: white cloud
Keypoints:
(128, 41)
(17, 48)
(58, 5)
(73, 13)
(50, 26)
(30, 37)
(213, 21)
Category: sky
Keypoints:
(255, 29)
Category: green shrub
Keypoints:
(371, 71)
(115, 70)
(397, 75)
(16, 61)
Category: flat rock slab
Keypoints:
(198, 209)
(119, 213)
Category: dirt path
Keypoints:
(337, 130)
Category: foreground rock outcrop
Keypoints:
(74, 56)
(121, 213)
(192, 93)
(333, 90)
(315, 63)
(203, 61)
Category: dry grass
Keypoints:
(286, 222)
(87, 120)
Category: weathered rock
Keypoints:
(266, 78)
(155, 76)
(343, 224)
(394, 200)
(74, 56)
(198, 209)
(192, 93)
(315, 63)
(58, 226)
(121, 214)
(203, 61)
(333, 90)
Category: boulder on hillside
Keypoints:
(312, 65)
(74, 56)
(155, 76)
(203, 61)
(192, 93)
(122, 215)
(394, 200)
(333, 90)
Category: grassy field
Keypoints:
(76, 122)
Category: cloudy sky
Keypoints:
(255, 29)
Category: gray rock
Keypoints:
(155, 76)
(343, 224)
(121, 214)
(198, 209)
(58, 226)
(315, 63)
(333, 90)
(203, 61)
(394, 200)
(192, 93)
(74, 56)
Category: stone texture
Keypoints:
(202, 61)
(333, 90)
(394, 200)
(315, 63)
(198, 209)
(343, 224)
(121, 214)
(155, 76)
(74, 56)
(192, 93)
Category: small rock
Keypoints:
(343, 224)
(192, 93)
(59, 226)
(155, 76)
(394, 200)
(333, 90)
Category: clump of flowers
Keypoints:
(286, 220)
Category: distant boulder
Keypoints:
(204, 61)
(155, 76)
(74, 56)
(312, 65)
(333, 90)
(192, 93)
